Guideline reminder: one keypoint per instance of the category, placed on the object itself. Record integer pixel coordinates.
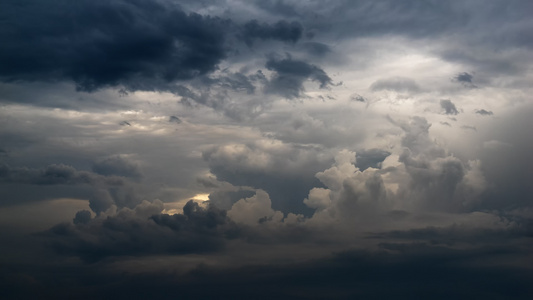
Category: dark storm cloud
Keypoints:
(449, 107)
(99, 44)
(395, 271)
(484, 112)
(290, 74)
(398, 84)
(143, 231)
(282, 31)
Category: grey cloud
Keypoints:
(239, 82)
(278, 7)
(316, 49)
(464, 77)
(282, 30)
(82, 217)
(285, 172)
(484, 112)
(456, 235)
(100, 201)
(357, 98)
(438, 181)
(55, 174)
(290, 75)
(119, 166)
(449, 107)
(398, 84)
(225, 199)
(103, 191)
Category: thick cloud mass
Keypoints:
(130, 43)
(271, 149)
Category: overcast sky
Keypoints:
(266, 149)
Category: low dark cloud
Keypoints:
(290, 74)
(143, 231)
(400, 271)
(449, 107)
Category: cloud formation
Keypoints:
(265, 149)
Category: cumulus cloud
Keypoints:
(254, 209)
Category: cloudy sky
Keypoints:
(266, 149)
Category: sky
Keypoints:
(266, 149)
